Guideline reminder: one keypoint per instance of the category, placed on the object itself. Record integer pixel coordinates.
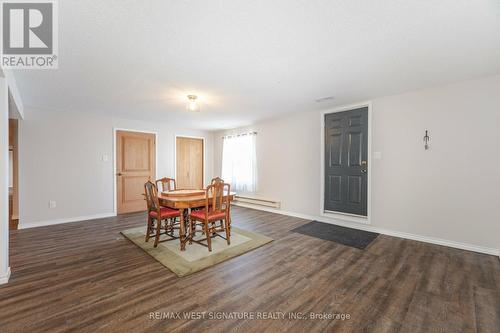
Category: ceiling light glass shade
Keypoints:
(192, 104)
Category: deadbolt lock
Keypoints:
(363, 166)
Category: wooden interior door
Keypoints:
(189, 163)
(135, 165)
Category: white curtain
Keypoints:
(239, 165)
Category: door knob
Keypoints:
(363, 166)
(119, 174)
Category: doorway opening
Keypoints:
(13, 175)
(15, 119)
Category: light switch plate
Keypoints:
(104, 157)
(377, 155)
(52, 204)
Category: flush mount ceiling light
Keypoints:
(192, 104)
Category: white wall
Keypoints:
(60, 159)
(450, 192)
(4, 182)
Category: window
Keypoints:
(239, 165)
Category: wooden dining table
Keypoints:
(184, 201)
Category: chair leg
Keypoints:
(169, 227)
(148, 232)
(228, 235)
(209, 238)
(192, 230)
(158, 230)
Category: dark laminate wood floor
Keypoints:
(85, 277)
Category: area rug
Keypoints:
(359, 239)
(196, 257)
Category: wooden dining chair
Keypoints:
(167, 184)
(157, 214)
(216, 209)
(217, 180)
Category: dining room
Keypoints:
(193, 221)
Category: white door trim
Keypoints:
(204, 182)
(115, 129)
(339, 215)
(4, 277)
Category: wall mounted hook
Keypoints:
(426, 140)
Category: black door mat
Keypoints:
(359, 239)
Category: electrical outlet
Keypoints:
(52, 204)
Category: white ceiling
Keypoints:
(256, 59)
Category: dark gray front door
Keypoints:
(346, 168)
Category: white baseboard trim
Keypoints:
(4, 277)
(425, 239)
(67, 220)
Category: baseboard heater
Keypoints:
(256, 201)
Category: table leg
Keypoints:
(229, 219)
(182, 231)
(189, 236)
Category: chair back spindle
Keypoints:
(167, 184)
